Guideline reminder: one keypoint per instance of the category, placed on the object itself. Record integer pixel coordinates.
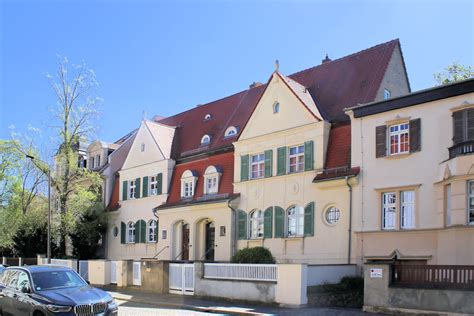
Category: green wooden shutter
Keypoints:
(308, 156)
(281, 161)
(145, 186)
(458, 127)
(159, 183)
(279, 222)
(137, 188)
(242, 225)
(268, 223)
(415, 135)
(380, 141)
(268, 163)
(309, 219)
(124, 190)
(140, 231)
(244, 168)
(123, 232)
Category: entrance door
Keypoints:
(137, 275)
(185, 244)
(210, 241)
(113, 272)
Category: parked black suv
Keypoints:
(48, 290)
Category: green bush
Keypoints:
(253, 255)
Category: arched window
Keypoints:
(276, 107)
(230, 131)
(131, 232)
(206, 139)
(295, 221)
(188, 182)
(332, 215)
(152, 231)
(207, 117)
(256, 224)
(211, 179)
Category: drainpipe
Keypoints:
(349, 248)
(233, 235)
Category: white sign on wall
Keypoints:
(375, 273)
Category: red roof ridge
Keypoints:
(347, 56)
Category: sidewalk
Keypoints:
(219, 306)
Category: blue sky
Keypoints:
(164, 57)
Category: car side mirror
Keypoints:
(25, 289)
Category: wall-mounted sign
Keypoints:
(376, 273)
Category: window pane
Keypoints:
(388, 210)
(407, 209)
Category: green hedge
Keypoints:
(253, 255)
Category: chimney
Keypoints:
(255, 84)
(326, 60)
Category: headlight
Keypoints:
(112, 304)
(58, 308)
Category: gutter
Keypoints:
(349, 246)
(233, 234)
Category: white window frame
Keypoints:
(332, 215)
(470, 202)
(397, 134)
(131, 233)
(276, 107)
(230, 131)
(211, 180)
(260, 165)
(389, 208)
(298, 219)
(256, 224)
(132, 186)
(153, 185)
(387, 94)
(298, 166)
(407, 209)
(188, 184)
(152, 228)
(448, 203)
(205, 140)
(97, 161)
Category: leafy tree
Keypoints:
(75, 114)
(454, 72)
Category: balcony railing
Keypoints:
(464, 148)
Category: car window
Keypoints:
(56, 279)
(12, 278)
(22, 280)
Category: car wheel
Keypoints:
(38, 313)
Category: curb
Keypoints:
(220, 310)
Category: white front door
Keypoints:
(137, 275)
(113, 272)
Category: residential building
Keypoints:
(268, 166)
(415, 197)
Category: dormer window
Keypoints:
(207, 117)
(276, 107)
(211, 180)
(230, 131)
(188, 183)
(386, 94)
(143, 147)
(206, 139)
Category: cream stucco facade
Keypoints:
(427, 173)
(293, 125)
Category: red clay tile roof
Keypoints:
(339, 147)
(335, 85)
(224, 161)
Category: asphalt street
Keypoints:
(140, 309)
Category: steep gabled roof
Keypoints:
(163, 136)
(332, 86)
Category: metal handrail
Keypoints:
(179, 254)
(212, 248)
(158, 253)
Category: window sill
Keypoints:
(398, 156)
(293, 237)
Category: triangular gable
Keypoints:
(297, 108)
(156, 140)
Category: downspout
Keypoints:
(349, 248)
(233, 235)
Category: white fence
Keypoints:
(238, 271)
